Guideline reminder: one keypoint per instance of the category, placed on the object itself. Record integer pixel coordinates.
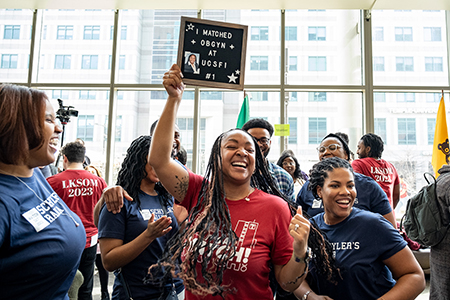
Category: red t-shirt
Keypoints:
(80, 190)
(261, 225)
(383, 172)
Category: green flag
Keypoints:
(244, 114)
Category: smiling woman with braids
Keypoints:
(373, 258)
(370, 195)
(235, 227)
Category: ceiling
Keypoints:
(229, 4)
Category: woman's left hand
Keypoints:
(299, 230)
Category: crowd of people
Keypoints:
(246, 229)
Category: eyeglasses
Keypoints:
(288, 163)
(263, 140)
(331, 147)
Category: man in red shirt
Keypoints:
(80, 190)
(369, 151)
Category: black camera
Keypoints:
(65, 112)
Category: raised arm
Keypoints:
(171, 174)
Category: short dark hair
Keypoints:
(74, 151)
(289, 153)
(344, 144)
(258, 123)
(375, 143)
(22, 112)
(319, 172)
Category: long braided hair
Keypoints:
(133, 171)
(209, 229)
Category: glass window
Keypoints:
(378, 34)
(292, 139)
(403, 34)
(88, 95)
(121, 62)
(64, 32)
(378, 64)
(209, 95)
(293, 96)
(118, 133)
(413, 63)
(406, 97)
(11, 32)
(433, 64)
(259, 96)
(89, 62)
(62, 61)
(404, 64)
(60, 94)
(317, 33)
(406, 131)
(380, 128)
(317, 129)
(379, 97)
(317, 63)
(91, 32)
(123, 32)
(259, 33)
(292, 63)
(85, 128)
(259, 63)
(432, 34)
(88, 46)
(433, 97)
(431, 127)
(9, 61)
(290, 33)
(317, 96)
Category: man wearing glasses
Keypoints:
(262, 131)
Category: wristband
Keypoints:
(308, 256)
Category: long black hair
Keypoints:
(209, 228)
(289, 153)
(133, 171)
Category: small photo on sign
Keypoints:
(212, 54)
(191, 63)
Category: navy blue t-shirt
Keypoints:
(126, 226)
(40, 244)
(360, 244)
(369, 195)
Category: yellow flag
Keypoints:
(440, 146)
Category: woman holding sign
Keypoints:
(235, 228)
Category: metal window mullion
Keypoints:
(32, 44)
(369, 113)
(282, 76)
(196, 133)
(112, 109)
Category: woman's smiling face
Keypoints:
(338, 195)
(238, 156)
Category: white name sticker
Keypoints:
(35, 219)
(317, 203)
(94, 240)
(146, 215)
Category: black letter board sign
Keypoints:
(212, 54)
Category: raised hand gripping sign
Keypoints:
(212, 54)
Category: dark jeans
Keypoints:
(102, 274)
(86, 268)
